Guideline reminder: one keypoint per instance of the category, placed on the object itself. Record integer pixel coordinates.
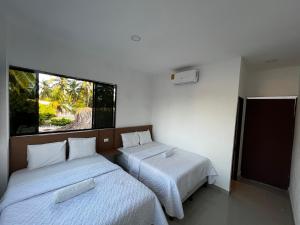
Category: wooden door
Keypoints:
(268, 141)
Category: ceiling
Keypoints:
(175, 33)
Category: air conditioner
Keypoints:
(191, 76)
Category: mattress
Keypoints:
(117, 198)
(125, 152)
(172, 179)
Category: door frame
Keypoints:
(273, 97)
(244, 115)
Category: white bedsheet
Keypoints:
(117, 198)
(173, 178)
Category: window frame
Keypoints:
(36, 72)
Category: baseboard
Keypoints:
(219, 188)
(292, 206)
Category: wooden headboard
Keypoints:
(119, 131)
(18, 145)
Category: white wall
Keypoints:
(243, 79)
(31, 49)
(4, 132)
(242, 93)
(200, 117)
(273, 82)
(295, 170)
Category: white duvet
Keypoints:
(117, 199)
(172, 179)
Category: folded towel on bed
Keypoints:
(73, 190)
(169, 153)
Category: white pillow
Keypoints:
(130, 139)
(81, 147)
(46, 154)
(145, 137)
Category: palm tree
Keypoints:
(73, 90)
(46, 89)
(59, 96)
(25, 80)
(67, 95)
(86, 93)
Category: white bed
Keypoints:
(172, 179)
(117, 198)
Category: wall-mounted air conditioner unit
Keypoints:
(191, 76)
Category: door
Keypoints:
(237, 139)
(268, 141)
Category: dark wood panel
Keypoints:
(268, 141)
(106, 147)
(119, 131)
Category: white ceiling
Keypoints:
(175, 33)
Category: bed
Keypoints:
(116, 199)
(173, 179)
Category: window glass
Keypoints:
(64, 103)
(23, 102)
(105, 103)
(43, 102)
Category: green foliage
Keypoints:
(65, 96)
(22, 91)
(47, 109)
(60, 121)
(68, 94)
(46, 113)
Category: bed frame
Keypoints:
(18, 144)
(119, 131)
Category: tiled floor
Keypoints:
(248, 204)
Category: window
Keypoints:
(64, 103)
(104, 105)
(23, 102)
(43, 102)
